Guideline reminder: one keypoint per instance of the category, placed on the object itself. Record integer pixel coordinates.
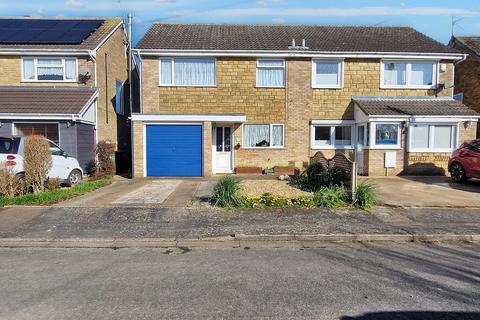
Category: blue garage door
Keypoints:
(174, 150)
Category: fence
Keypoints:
(339, 160)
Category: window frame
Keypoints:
(431, 137)
(333, 126)
(172, 59)
(283, 67)
(373, 136)
(408, 71)
(36, 65)
(341, 64)
(270, 132)
(15, 130)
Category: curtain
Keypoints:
(50, 69)
(166, 71)
(28, 69)
(442, 137)
(421, 74)
(194, 71)
(277, 136)
(420, 136)
(256, 135)
(270, 73)
(326, 73)
(70, 69)
(343, 135)
(394, 74)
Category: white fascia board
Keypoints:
(332, 122)
(188, 117)
(35, 116)
(45, 52)
(89, 102)
(444, 119)
(108, 36)
(287, 54)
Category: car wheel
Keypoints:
(74, 177)
(457, 172)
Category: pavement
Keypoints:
(355, 281)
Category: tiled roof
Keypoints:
(472, 43)
(279, 37)
(44, 100)
(89, 43)
(412, 106)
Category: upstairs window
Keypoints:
(408, 74)
(327, 74)
(187, 72)
(49, 69)
(270, 73)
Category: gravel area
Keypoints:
(276, 187)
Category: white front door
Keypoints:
(222, 149)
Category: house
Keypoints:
(219, 97)
(64, 78)
(467, 72)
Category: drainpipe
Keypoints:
(93, 56)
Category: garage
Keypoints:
(174, 150)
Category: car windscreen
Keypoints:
(8, 145)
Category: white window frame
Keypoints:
(365, 142)
(373, 136)
(431, 137)
(408, 70)
(173, 72)
(36, 65)
(333, 125)
(277, 67)
(270, 134)
(15, 130)
(340, 63)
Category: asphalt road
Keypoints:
(332, 282)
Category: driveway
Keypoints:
(148, 193)
(426, 192)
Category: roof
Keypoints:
(279, 37)
(471, 43)
(412, 106)
(44, 100)
(89, 43)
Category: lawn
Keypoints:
(55, 196)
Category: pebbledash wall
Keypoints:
(296, 106)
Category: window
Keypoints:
(362, 135)
(327, 74)
(270, 73)
(263, 136)
(325, 136)
(425, 137)
(386, 134)
(187, 72)
(119, 97)
(458, 97)
(48, 130)
(49, 69)
(55, 150)
(408, 74)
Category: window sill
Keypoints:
(270, 87)
(49, 81)
(263, 148)
(331, 147)
(406, 87)
(188, 86)
(327, 87)
(431, 151)
(386, 147)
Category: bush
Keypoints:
(104, 153)
(314, 169)
(366, 195)
(226, 192)
(335, 176)
(10, 184)
(331, 197)
(37, 161)
(53, 184)
(318, 177)
(267, 200)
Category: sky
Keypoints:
(433, 18)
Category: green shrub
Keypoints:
(335, 176)
(268, 200)
(366, 195)
(318, 177)
(226, 192)
(314, 169)
(331, 197)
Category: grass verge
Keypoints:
(55, 196)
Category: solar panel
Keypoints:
(46, 31)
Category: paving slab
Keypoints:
(153, 192)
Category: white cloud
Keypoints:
(74, 3)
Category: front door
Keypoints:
(222, 158)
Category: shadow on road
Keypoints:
(416, 315)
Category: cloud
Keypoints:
(264, 3)
(75, 3)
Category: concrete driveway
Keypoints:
(171, 192)
(426, 192)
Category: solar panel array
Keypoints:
(46, 31)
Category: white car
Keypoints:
(64, 167)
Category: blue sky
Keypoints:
(431, 17)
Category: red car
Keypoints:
(465, 161)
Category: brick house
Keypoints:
(64, 78)
(219, 97)
(467, 72)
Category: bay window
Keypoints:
(403, 74)
(387, 134)
(49, 69)
(432, 137)
(263, 136)
(270, 73)
(187, 72)
(331, 136)
(327, 74)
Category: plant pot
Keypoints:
(291, 171)
(248, 170)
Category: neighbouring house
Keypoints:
(467, 72)
(215, 98)
(64, 78)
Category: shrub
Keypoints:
(10, 184)
(53, 184)
(366, 195)
(226, 192)
(104, 153)
(318, 177)
(37, 161)
(314, 169)
(331, 197)
(267, 200)
(335, 176)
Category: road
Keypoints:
(332, 282)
